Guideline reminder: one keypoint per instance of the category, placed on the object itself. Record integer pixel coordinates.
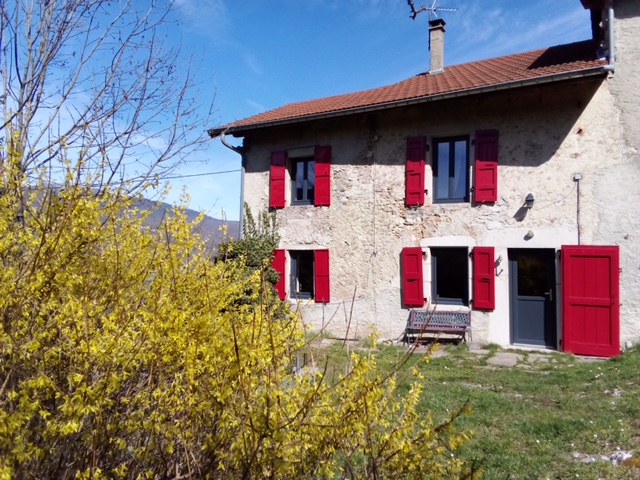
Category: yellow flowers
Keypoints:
(127, 352)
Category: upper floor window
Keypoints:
(305, 172)
(304, 179)
(451, 170)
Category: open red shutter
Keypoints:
(323, 286)
(486, 166)
(279, 263)
(413, 295)
(591, 300)
(414, 182)
(277, 179)
(484, 297)
(323, 175)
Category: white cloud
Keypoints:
(209, 18)
(479, 33)
(252, 62)
(255, 105)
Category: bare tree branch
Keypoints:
(101, 78)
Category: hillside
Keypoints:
(209, 228)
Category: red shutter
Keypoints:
(591, 300)
(277, 179)
(486, 166)
(279, 263)
(484, 297)
(414, 183)
(323, 175)
(412, 287)
(321, 268)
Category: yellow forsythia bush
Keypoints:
(127, 352)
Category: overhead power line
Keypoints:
(174, 177)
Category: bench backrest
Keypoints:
(418, 319)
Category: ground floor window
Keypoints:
(308, 274)
(450, 275)
(302, 274)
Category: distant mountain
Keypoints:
(209, 228)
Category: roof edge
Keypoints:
(556, 77)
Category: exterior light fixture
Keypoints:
(528, 202)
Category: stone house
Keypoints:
(502, 190)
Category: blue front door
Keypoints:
(533, 297)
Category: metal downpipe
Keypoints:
(611, 39)
(239, 151)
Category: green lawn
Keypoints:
(529, 421)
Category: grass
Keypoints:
(529, 421)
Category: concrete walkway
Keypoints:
(511, 358)
(504, 357)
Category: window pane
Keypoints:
(305, 272)
(532, 275)
(304, 179)
(311, 180)
(442, 171)
(299, 166)
(460, 170)
(451, 170)
(450, 275)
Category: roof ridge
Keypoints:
(526, 52)
(565, 59)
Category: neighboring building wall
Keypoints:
(617, 186)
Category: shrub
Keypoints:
(126, 352)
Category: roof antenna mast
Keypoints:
(433, 9)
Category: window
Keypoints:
(451, 170)
(450, 275)
(306, 172)
(301, 274)
(303, 175)
(308, 274)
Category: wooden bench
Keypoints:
(423, 322)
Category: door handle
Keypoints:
(550, 293)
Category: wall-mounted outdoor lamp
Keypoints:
(528, 202)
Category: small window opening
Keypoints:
(302, 280)
(450, 275)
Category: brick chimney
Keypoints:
(436, 45)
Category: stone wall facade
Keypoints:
(547, 135)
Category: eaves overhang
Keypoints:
(240, 130)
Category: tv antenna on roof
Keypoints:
(433, 9)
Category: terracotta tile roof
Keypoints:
(549, 64)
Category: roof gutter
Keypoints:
(579, 74)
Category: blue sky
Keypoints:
(255, 55)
